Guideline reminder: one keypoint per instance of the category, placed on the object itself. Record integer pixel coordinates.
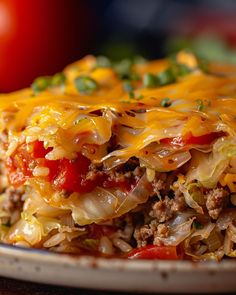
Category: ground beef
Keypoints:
(215, 201)
(119, 176)
(163, 210)
(94, 172)
(142, 235)
(130, 169)
(150, 233)
(113, 174)
(13, 200)
(158, 185)
(162, 231)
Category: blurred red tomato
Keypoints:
(39, 37)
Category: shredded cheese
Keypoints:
(229, 180)
(111, 110)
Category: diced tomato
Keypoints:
(53, 167)
(152, 252)
(39, 150)
(19, 166)
(204, 139)
(16, 178)
(69, 174)
(190, 139)
(64, 174)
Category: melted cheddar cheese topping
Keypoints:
(64, 118)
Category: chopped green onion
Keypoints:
(85, 84)
(202, 104)
(123, 68)
(203, 64)
(127, 86)
(131, 95)
(140, 96)
(138, 59)
(166, 77)
(134, 76)
(150, 80)
(165, 102)
(182, 70)
(103, 62)
(41, 84)
(58, 79)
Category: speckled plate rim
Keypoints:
(117, 274)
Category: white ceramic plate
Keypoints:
(117, 274)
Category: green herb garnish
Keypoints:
(123, 68)
(140, 96)
(103, 62)
(127, 86)
(150, 80)
(182, 70)
(134, 76)
(135, 97)
(44, 82)
(131, 95)
(203, 64)
(85, 84)
(202, 104)
(165, 102)
(41, 84)
(58, 79)
(166, 77)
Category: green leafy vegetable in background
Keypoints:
(208, 47)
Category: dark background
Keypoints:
(40, 37)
